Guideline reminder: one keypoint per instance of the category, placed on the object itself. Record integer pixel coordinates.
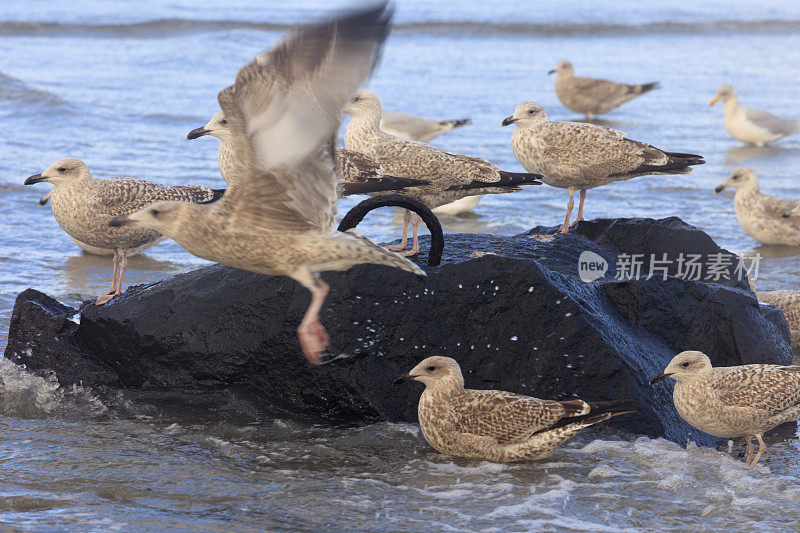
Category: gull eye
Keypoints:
(685, 364)
(530, 111)
(356, 99)
(62, 169)
(735, 177)
(431, 368)
(224, 122)
(155, 212)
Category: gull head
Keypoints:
(437, 373)
(526, 113)
(724, 93)
(163, 217)
(62, 171)
(363, 103)
(684, 367)
(739, 179)
(562, 67)
(216, 127)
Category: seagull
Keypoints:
(357, 173)
(495, 425)
(83, 206)
(577, 156)
(752, 126)
(767, 219)
(593, 96)
(452, 176)
(277, 215)
(734, 401)
(417, 128)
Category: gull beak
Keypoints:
(118, 222)
(721, 187)
(508, 120)
(659, 377)
(197, 132)
(36, 178)
(714, 101)
(404, 378)
(551, 72)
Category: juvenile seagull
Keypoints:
(358, 173)
(752, 126)
(787, 301)
(277, 215)
(84, 206)
(767, 219)
(418, 128)
(593, 96)
(577, 156)
(452, 176)
(495, 425)
(734, 401)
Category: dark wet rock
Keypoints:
(512, 310)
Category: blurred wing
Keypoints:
(505, 416)
(284, 109)
(771, 123)
(768, 387)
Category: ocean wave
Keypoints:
(165, 27)
(23, 96)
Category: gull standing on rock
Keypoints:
(418, 128)
(593, 96)
(577, 156)
(495, 425)
(277, 215)
(767, 219)
(734, 401)
(358, 173)
(452, 176)
(752, 126)
(84, 205)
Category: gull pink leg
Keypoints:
(106, 296)
(117, 287)
(415, 246)
(570, 204)
(761, 449)
(313, 337)
(404, 242)
(580, 208)
(749, 451)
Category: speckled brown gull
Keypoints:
(84, 205)
(452, 176)
(357, 173)
(787, 301)
(277, 215)
(734, 401)
(495, 425)
(767, 219)
(749, 125)
(593, 96)
(94, 250)
(417, 128)
(577, 156)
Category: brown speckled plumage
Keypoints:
(452, 176)
(765, 218)
(593, 96)
(737, 401)
(495, 425)
(787, 301)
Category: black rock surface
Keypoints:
(512, 310)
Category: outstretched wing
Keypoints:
(770, 388)
(284, 108)
(507, 417)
